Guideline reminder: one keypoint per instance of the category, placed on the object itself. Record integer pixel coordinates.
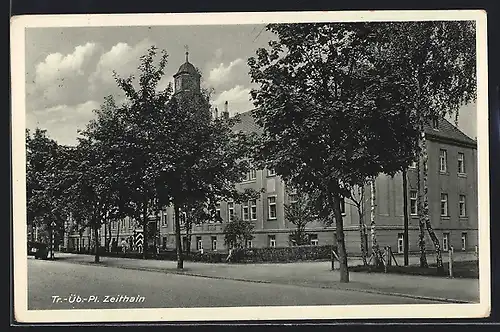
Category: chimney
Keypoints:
(226, 111)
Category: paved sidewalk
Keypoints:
(306, 274)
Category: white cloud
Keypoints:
(238, 99)
(218, 53)
(63, 121)
(57, 65)
(121, 58)
(223, 73)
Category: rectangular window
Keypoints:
(182, 218)
(461, 205)
(292, 241)
(313, 239)
(253, 174)
(272, 241)
(444, 205)
(199, 243)
(214, 243)
(164, 220)
(113, 224)
(461, 163)
(442, 160)
(413, 203)
(253, 209)
(164, 243)
(123, 223)
(271, 201)
(271, 172)
(230, 210)
(249, 244)
(292, 198)
(464, 241)
(245, 211)
(342, 205)
(413, 164)
(446, 239)
(218, 217)
(401, 242)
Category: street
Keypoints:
(64, 285)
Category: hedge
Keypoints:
(247, 255)
(283, 254)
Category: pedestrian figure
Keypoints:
(124, 245)
(230, 255)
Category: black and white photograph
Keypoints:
(250, 166)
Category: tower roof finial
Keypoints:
(187, 52)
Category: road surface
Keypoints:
(65, 285)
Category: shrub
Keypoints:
(283, 254)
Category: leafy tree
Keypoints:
(435, 63)
(47, 208)
(300, 213)
(145, 135)
(175, 151)
(327, 126)
(196, 213)
(238, 232)
(99, 166)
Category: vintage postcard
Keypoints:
(250, 166)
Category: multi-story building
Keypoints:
(452, 196)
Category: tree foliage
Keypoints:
(327, 126)
(238, 232)
(300, 213)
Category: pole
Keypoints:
(405, 219)
(451, 261)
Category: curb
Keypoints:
(258, 281)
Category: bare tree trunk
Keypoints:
(97, 243)
(178, 244)
(118, 233)
(428, 225)
(362, 226)
(145, 229)
(189, 238)
(421, 213)
(406, 219)
(339, 228)
(362, 233)
(106, 243)
(375, 248)
(109, 232)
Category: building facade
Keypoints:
(452, 196)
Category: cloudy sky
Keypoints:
(69, 70)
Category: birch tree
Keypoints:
(435, 62)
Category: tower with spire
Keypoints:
(187, 77)
(187, 89)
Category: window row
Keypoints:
(445, 244)
(252, 174)
(443, 204)
(443, 162)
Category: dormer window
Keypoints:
(435, 124)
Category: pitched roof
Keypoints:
(445, 131)
(448, 132)
(247, 123)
